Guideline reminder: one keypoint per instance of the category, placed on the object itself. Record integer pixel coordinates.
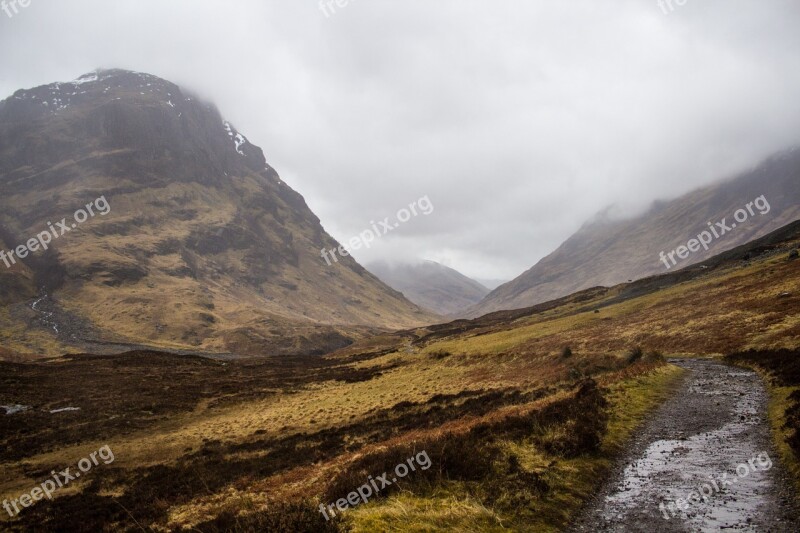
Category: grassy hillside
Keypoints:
(518, 429)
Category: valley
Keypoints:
(595, 328)
(520, 431)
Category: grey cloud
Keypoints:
(520, 119)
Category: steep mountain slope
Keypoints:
(606, 252)
(204, 247)
(431, 285)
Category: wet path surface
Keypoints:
(704, 462)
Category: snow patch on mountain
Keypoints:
(238, 138)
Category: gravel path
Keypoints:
(711, 437)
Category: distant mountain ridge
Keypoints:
(606, 252)
(431, 285)
(205, 247)
(491, 284)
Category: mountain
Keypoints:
(605, 252)
(431, 285)
(491, 284)
(202, 246)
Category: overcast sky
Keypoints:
(518, 119)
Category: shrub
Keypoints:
(585, 421)
(634, 355)
(513, 464)
(439, 354)
(654, 357)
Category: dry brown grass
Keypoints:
(254, 432)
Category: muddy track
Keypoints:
(690, 455)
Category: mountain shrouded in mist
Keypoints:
(431, 285)
(204, 247)
(607, 252)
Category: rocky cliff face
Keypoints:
(204, 246)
